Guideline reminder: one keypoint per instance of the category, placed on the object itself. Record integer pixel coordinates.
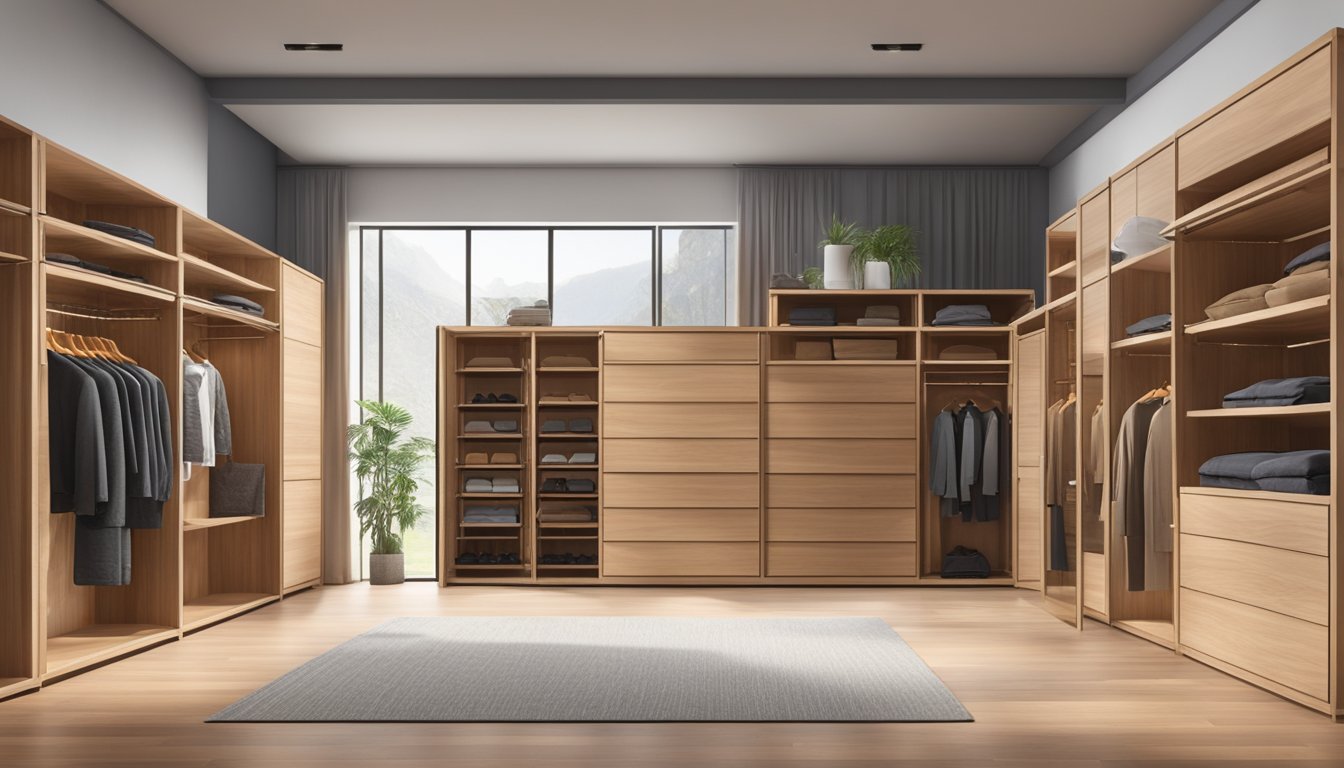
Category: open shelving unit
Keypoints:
(567, 374)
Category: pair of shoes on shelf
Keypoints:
(488, 558)
(580, 425)
(568, 485)
(567, 558)
(482, 427)
(491, 397)
(579, 457)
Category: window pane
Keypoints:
(508, 269)
(424, 286)
(695, 277)
(603, 277)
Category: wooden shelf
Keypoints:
(560, 496)
(207, 610)
(1004, 328)
(1301, 321)
(199, 273)
(567, 436)
(1238, 493)
(567, 567)
(487, 538)
(843, 330)
(570, 524)
(200, 233)
(16, 209)
(958, 363)
(1069, 269)
(491, 436)
(1277, 411)
(205, 523)
(840, 362)
(61, 236)
(1144, 342)
(1156, 260)
(490, 466)
(490, 525)
(97, 643)
(568, 404)
(567, 538)
(492, 566)
(492, 406)
(489, 370)
(567, 466)
(6, 256)
(84, 181)
(210, 309)
(567, 369)
(1287, 203)
(482, 496)
(84, 287)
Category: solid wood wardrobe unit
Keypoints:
(196, 570)
(724, 455)
(1255, 587)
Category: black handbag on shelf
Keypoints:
(965, 563)
(238, 490)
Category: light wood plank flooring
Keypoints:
(1042, 694)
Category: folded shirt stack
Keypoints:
(967, 352)
(567, 515)
(74, 261)
(490, 361)
(1138, 235)
(125, 233)
(1298, 390)
(1306, 276)
(1306, 282)
(506, 426)
(579, 457)
(239, 303)
(812, 316)
(536, 314)
(881, 314)
(1283, 472)
(481, 457)
(491, 485)
(963, 314)
(1151, 324)
(481, 514)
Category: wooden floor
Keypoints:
(1042, 694)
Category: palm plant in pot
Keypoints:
(887, 256)
(388, 465)
(837, 249)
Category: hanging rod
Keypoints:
(95, 313)
(965, 383)
(1298, 345)
(228, 338)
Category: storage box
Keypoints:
(812, 349)
(866, 349)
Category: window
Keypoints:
(412, 279)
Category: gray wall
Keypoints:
(542, 195)
(80, 75)
(1256, 42)
(241, 177)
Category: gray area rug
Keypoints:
(610, 669)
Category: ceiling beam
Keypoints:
(667, 90)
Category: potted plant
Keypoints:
(814, 277)
(388, 464)
(837, 249)
(887, 256)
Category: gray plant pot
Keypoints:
(387, 569)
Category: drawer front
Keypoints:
(830, 559)
(1272, 114)
(862, 457)
(1275, 579)
(301, 312)
(1288, 651)
(303, 531)
(303, 411)
(703, 491)
(846, 491)
(859, 525)
(690, 558)
(680, 420)
(1284, 524)
(873, 420)
(677, 347)
(681, 455)
(681, 525)
(830, 383)
(681, 384)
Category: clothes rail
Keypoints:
(94, 313)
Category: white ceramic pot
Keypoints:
(876, 276)
(838, 274)
(387, 569)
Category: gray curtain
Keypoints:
(311, 231)
(977, 227)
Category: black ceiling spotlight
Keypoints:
(898, 46)
(314, 46)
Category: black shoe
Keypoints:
(554, 485)
(507, 398)
(477, 398)
(467, 558)
(491, 398)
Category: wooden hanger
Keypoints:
(55, 345)
(68, 344)
(195, 358)
(116, 350)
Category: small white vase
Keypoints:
(838, 274)
(876, 276)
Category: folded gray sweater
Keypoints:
(1273, 392)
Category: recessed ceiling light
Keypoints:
(898, 46)
(314, 46)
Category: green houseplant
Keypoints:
(887, 256)
(388, 465)
(837, 249)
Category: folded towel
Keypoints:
(1151, 324)
(505, 425)
(1298, 287)
(489, 362)
(581, 485)
(476, 458)
(478, 427)
(1235, 483)
(811, 313)
(967, 352)
(1239, 302)
(504, 485)
(239, 302)
(567, 515)
(1139, 235)
(583, 457)
(884, 321)
(963, 314)
(554, 458)
(581, 425)
(1310, 256)
(478, 485)
(1294, 464)
(503, 457)
(1291, 391)
(1318, 485)
(883, 311)
(814, 323)
(552, 425)
(1240, 466)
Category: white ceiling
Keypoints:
(1063, 38)
(537, 38)
(540, 134)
